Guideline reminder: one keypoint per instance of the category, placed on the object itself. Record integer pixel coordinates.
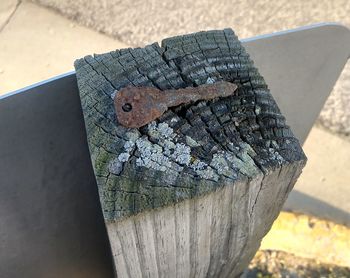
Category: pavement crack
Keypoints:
(7, 21)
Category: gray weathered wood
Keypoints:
(193, 193)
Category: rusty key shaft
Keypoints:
(138, 106)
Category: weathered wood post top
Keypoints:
(193, 186)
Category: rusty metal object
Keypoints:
(138, 106)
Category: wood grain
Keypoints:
(215, 235)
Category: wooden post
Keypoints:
(193, 193)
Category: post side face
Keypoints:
(50, 217)
(215, 235)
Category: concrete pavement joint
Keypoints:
(7, 21)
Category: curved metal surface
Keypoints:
(301, 67)
(51, 223)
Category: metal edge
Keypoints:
(297, 29)
(246, 40)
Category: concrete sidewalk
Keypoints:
(37, 43)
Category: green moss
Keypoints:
(101, 161)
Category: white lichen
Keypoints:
(168, 155)
(198, 165)
(275, 155)
(129, 146)
(174, 120)
(161, 131)
(257, 110)
(182, 154)
(191, 142)
(151, 156)
(210, 80)
(222, 165)
(244, 161)
(123, 157)
(208, 174)
(169, 147)
(219, 163)
(113, 95)
(133, 135)
(115, 167)
(203, 170)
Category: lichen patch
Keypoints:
(167, 154)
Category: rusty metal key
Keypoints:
(138, 106)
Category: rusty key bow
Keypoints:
(138, 106)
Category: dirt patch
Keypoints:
(270, 263)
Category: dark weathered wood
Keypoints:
(216, 171)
